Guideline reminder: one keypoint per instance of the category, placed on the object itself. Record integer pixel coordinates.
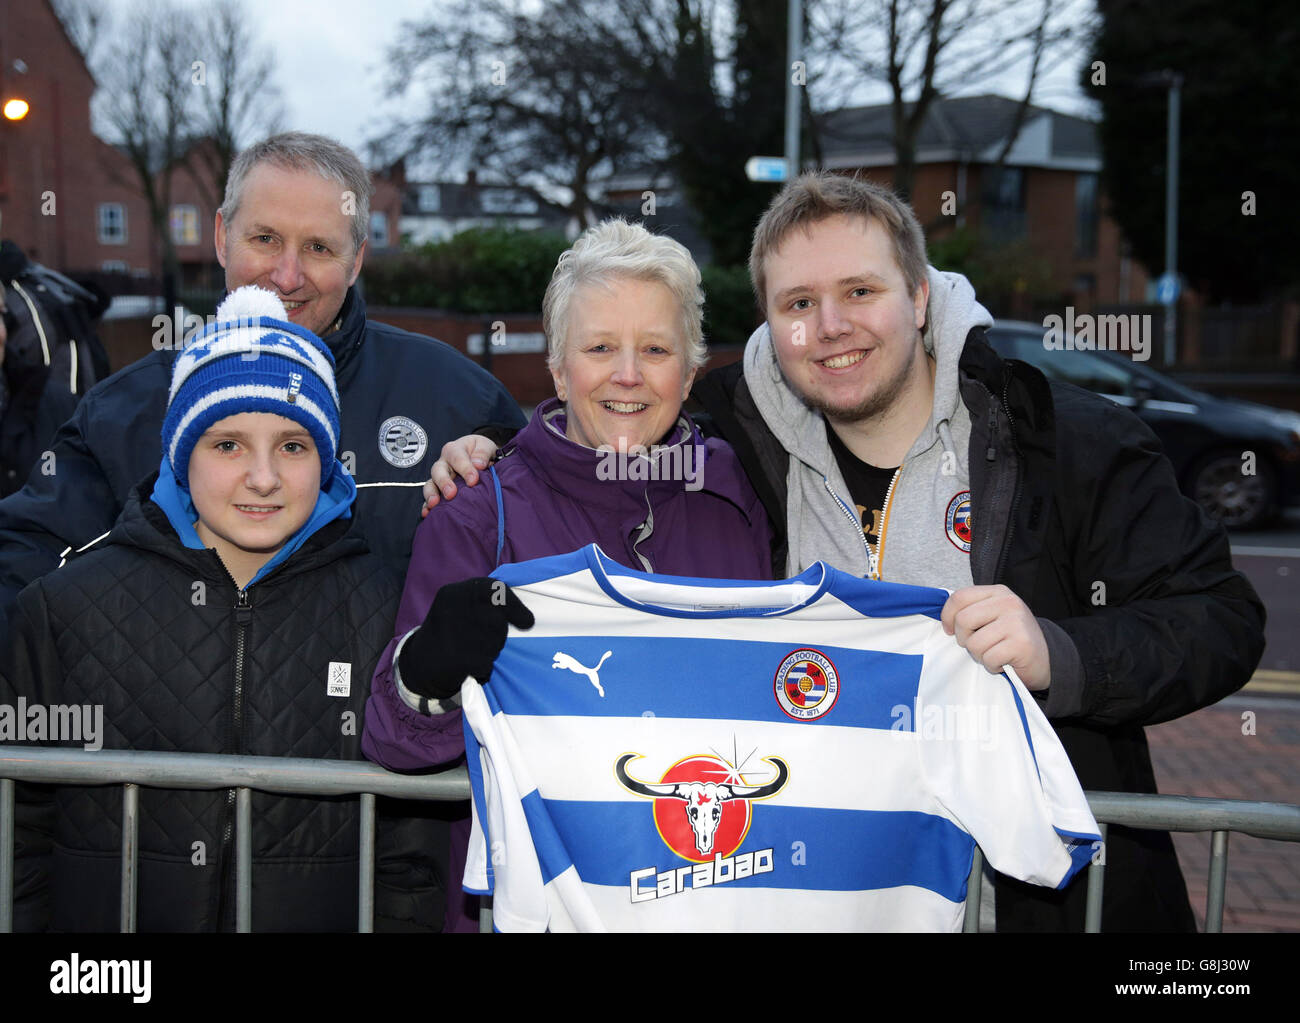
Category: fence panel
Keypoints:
(294, 776)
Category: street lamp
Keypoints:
(15, 109)
(1173, 81)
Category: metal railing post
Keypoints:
(130, 854)
(1096, 885)
(366, 882)
(1218, 882)
(974, 885)
(243, 860)
(6, 855)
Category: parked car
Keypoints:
(1206, 438)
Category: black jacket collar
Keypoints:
(145, 526)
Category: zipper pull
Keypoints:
(243, 609)
(993, 425)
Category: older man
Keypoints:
(885, 436)
(294, 220)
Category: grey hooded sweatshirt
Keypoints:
(929, 500)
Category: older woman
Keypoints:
(611, 460)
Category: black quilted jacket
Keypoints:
(180, 661)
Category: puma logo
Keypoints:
(593, 674)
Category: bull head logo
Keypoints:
(702, 800)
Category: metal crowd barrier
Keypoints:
(293, 776)
(1168, 813)
(282, 775)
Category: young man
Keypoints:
(210, 621)
(887, 438)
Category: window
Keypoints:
(1003, 199)
(1093, 371)
(185, 225)
(112, 223)
(1085, 216)
(113, 266)
(379, 230)
(430, 199)
(506, 200)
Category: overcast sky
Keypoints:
(332, 59)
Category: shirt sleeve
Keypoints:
(502, 859)
(450, 545)
(997, 767)
(1170, 626)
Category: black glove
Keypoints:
(462, 634)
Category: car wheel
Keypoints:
(1237, 499)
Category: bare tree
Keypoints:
(86, 22)
(924, 50)
(239, 99)
(713, 74)
(535, 95)
(145, 96)
(178, 88)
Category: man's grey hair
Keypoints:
(616, 250)
(297, 150)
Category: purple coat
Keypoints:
(558, 496)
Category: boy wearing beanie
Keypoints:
(234, 608)
(249, 438)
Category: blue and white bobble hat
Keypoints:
(251, 359)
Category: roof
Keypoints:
(457, 201)
(963, 129)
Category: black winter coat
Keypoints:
(53, 357)
(1069, 490)
(180, 661)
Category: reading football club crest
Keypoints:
(806, 685)
(402, 441)
(958, 521)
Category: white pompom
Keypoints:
(250, 302)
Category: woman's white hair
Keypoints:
(615, 250)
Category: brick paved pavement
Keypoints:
(1206, 754)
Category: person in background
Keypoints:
(54, 358)
(610, 460)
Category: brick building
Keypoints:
(50, 175)
(73, 201)
(1045, 193)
